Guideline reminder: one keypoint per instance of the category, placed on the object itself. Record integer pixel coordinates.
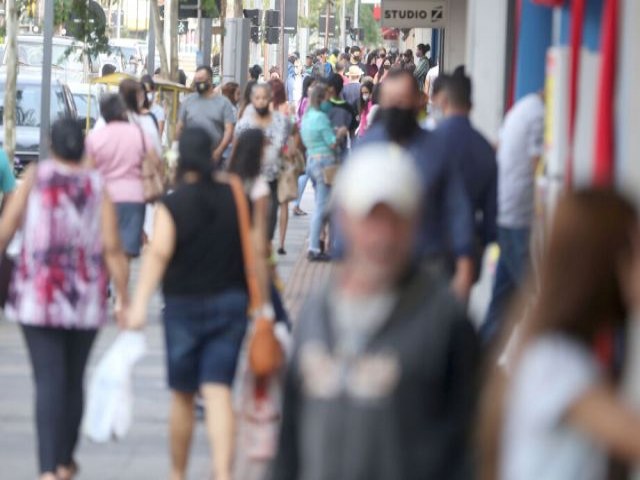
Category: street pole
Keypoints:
(45, 99)
(118, 19)
(356, 14)
(343, 25)
(283, 48)
(326, 25)
(151, 54)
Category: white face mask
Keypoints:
(150, 97)
(365, 97)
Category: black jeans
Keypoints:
(273, 209)
(59, 358)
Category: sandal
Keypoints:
(282, 251)
(298, 212)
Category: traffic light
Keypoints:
(255, 34)
(273, 35)
(272, 18)
(253, 15)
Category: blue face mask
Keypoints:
(325, 106)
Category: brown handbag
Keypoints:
(265, 352)
(152, 176)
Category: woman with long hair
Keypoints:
(383, 71)
(196, 253)
(364, 106)
(372, 67)
(231, 90)
(246, 97)
(555, 413)
(70, 247)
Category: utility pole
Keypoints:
(45, 99)
(151, 52)
(356, 14)
(9, 116)
(343, 25)
(118, 19)
(326, 24)
(283, 48)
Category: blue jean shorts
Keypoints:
(130, 224)
(203, 336)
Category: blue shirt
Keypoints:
(476, 159)
(447, 226)
(7, 179)
(317, 132)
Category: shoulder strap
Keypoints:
(248, 253)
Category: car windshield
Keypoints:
(82, 106)
(33, 54)
(28, 112)
(126, 52)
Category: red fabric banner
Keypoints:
(604, 133)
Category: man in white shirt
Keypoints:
(521, 146)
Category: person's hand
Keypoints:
(460, 287)
(136, 317)
(217, 155)
(342, 132)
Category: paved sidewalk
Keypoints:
(143, 454)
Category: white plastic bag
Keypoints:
(109, 408)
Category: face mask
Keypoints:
(400, 123)
(202, 87)
(365, 98)
(262, 111)
(325, 106)
(150, 97)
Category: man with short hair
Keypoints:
(308, 64)
(212, 112)
(276, 131)
(255, 72)
(446, 240)
(322, 67)
(423, 65)
(356, 58)
(381, 384)
(341, 114)
(476, 158)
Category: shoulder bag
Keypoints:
(152, 177)
(265, 352)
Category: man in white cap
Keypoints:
(351, 91)
(381, 382)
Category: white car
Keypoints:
(87, 100)
(131, 52)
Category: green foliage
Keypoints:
(372, 31)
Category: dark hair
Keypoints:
(372, 56)
(108, 69)
(195, 149)
(255, 72)
(423, 48)
(369, 85)
(438, 84)
(336, 82)
(375, 95)
(278, 92)
(306, 83)
(67, 140)
(246, 157)
(207, 69)
(229, 90)
(129, 89)
(182, 77)
(246, 96)
(335, 52)
(457, 87)
(321, 51)
(112, 108)
(355, 49)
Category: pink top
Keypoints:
(60, 279)
(117, 151)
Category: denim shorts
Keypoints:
(316, 164)
(203, 336)
(130, 224)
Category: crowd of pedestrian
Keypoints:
(384, 374)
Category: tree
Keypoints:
(11, 46)
(162, 50)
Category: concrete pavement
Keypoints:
(143, 454)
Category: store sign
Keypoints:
(414, 13)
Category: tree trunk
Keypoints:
(10, 94)
(171, 36)
(160, 45)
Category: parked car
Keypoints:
(28, 113)
(87, 100)
(68, 58)
(131, 52)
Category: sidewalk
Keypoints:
(144, 453)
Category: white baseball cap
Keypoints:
(379, 173)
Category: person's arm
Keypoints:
(602, 416)
(154, 264)
(259, 236)
(460, 226)
(114, 257)
(224, 143)
(15, 208)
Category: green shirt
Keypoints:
(317, 133)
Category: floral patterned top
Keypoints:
(60, 278)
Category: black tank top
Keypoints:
(208, 254)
